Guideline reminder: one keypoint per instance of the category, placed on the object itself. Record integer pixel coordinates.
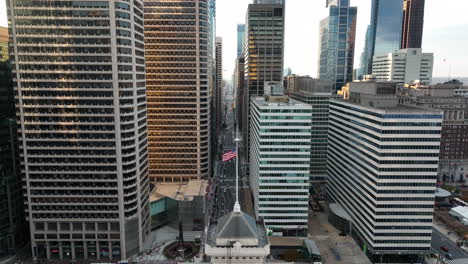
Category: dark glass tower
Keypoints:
(337, 40)
(263, 54)
(240, 40)
(384, 31)
(13, 229)
(413, 24)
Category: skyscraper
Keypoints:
(218, 92)
(317, 93)
(382, 171)
(385, 31)
(178, 80)
(413, 24)
(82, 126)
(240, 40)
(280, 130)
(264, 49)
(13, 227)
(337, 37)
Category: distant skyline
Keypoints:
(446, 24)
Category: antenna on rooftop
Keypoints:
(237, 208)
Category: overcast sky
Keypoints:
(445, 33)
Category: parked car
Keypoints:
(449, 256)
(444, 248)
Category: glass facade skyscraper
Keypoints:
(413, 24)
(240, 39)
(337, 41)
(384, 31)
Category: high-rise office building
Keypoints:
(337, 37)
(382, 171)
(13, 227)
(384, 31)
(178, 82)
(82, 126)
(240, 40)
(316, 93)
(404, 66)
(453, 158)
(218, 93)
(413, 24)
(280, 130)
(263, 53)
(239, 86)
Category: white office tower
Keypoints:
(382, 171)
(79, 78)
(404, 66)
(280, 130)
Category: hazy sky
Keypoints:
(445, 33)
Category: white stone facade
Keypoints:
(404, 66)
(280, 163)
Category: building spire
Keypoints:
(237, 208)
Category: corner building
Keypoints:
(382, 170)
(178, 74)
(79, 79)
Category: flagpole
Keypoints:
(236, 204)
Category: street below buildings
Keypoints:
(225, 176)
(439, 240)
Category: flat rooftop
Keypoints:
(179, 191)
(261, 101)
(397, 109)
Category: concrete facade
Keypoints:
(280, 132)
(79, 75)
(382, 169)
(404, 66)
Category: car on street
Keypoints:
(444, 248)
(449, 256)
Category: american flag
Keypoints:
(229, 155)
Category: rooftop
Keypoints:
(399, 109)
(179, 191)
(237, 226)
(290, 103)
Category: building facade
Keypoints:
(336, 44)
(13, 227)
(316, 93)
(3, 44)
(263, 56)
(178, 82)
(81, 126)
(413, 24)
(404, 66)
(240, 40)
(280, 163)
(218, 94)
(384, 31)
(453, 161)
(382, 170)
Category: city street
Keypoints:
(439, 239)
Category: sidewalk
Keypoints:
(446, 232)
(333, 247)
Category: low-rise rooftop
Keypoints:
(179, 191)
